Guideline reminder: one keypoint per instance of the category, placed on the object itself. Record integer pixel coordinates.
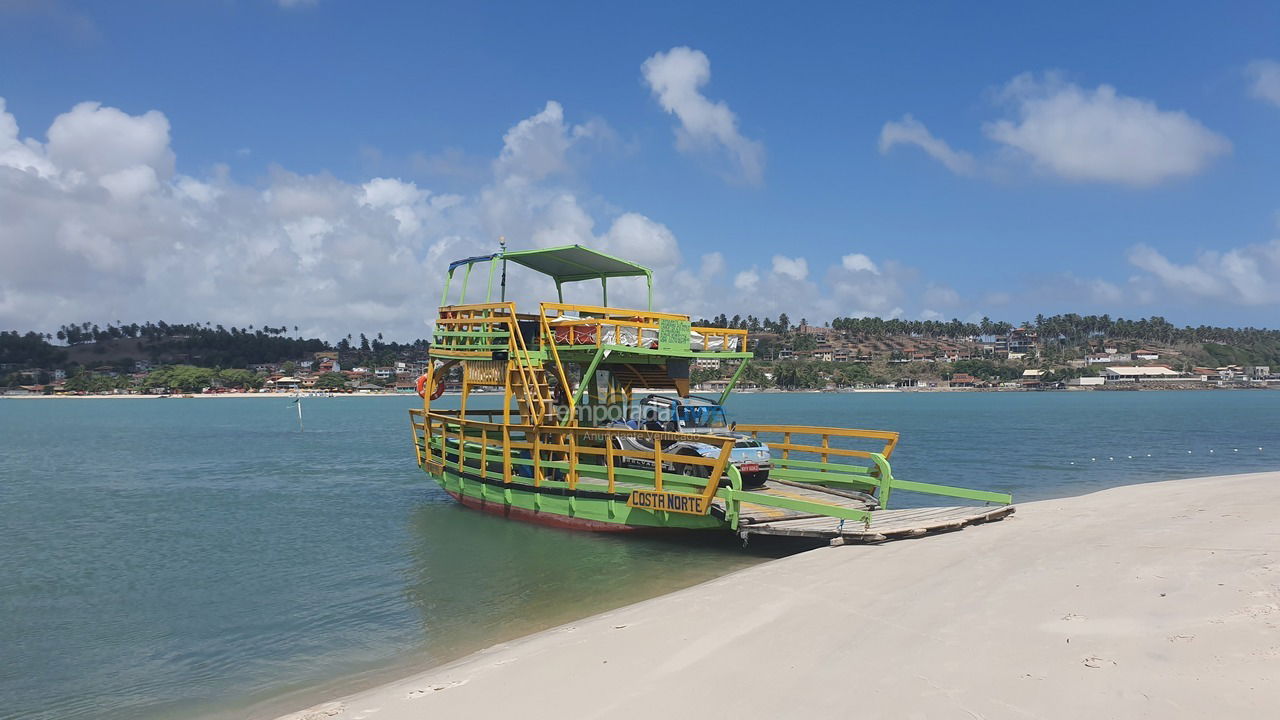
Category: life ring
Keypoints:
(435, 393)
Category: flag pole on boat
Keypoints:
(502, 245)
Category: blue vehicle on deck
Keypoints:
(694, 415)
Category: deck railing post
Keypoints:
(506, 452)
(657, 463)
(537, 457)
(608, 460)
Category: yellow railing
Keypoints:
(448, 441)
(474, 330)
(821, 440)
(594, 325)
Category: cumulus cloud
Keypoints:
(99, 225)
(855, 262)
(1078, 134)
(747, 280)
(1265, 77)
(1101, 135)
(795, 268)
(1248, 275)
(675, 77)
(909, 131)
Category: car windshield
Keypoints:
(702, 416)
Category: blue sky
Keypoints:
(1095, 159)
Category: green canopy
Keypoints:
(571, 263)
(568, 263)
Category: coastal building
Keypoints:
(384, 373)
(1137, 355)
(1019, 343)
(1145, 373)
(286, 382)
(964, 380)
(707, 363)
(1087, 381)
(1258, 372)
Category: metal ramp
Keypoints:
(885, 524)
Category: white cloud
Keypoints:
(99, 141)
(747, 280)
(794, 268)
(1100, 135)
(99, 226)
(705, 126)
(1082, 135)
(1248, 275)
(941, 296)
(1265, 75)
(857, 262)
(910, 131)
(536, 146)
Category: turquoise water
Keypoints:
(184, 557)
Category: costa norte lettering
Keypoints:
(669, 501)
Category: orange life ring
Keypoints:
(435, 393)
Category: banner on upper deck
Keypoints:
(669, 501)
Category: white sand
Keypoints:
(1158, 601)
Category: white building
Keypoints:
(1134, 373)
(707, 363)
(1091, 380)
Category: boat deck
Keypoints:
(885, 524)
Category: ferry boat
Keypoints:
(597, 428)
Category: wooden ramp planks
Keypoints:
(885, 524)
(753, 514)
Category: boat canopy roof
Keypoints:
(571, 263)
(567, 263)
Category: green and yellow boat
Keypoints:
(597, 429)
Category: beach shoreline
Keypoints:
(1152, 599)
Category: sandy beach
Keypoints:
(1158, 600)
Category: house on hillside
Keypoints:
(1017, 344)
(1143, 355)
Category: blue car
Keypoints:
(694, 415)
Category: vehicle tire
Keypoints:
(690, 470)
(755, 479)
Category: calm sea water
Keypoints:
(190, 557)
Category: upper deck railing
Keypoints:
(477, 330)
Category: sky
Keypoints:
(318, 162)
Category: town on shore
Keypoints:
(1059, 352)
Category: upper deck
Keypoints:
(560, 330)
(483, 331)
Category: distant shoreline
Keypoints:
(1136, 387)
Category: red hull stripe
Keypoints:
(550, 519)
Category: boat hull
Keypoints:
(558, 507)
